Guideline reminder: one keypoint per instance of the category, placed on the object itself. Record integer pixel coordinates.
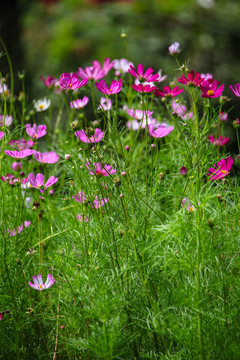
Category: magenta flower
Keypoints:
(16, 166)
(96, 72)
(105, 104)
(1, 315)
(141, 76)
(10, 179)
(79, 103)
(82, 218)
(183, 171)
(115, 87)
(219, 141)
(144, 88)
(211, 89)
(161, 131)
(46, 158)
(38, 283)
(224, 167)
(50, 81)
(168, 93)
(19, 154)
(235, 91)
(223, 116)
(38, 182)
(20, 228)
(174, 48)
(21, 144)
(82, 198)
(6, 121)
(192, 79)
(36, 132)
(96, 137)
(97, 203)
(71, 81)
(1, 134)
(96, 169)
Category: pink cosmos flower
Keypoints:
(174, 48)
(96, 72)
(38, 182)
(82, 218)
(211, 90)
(46, 158)
(141, 76)
(136, 125)
(207, 76)
(223, 116)
(183, 171)
(1, 134)
(38, 283)
(6, 121)
(19, 154)
(161, 77)
(50, 81)
(115, 87)
(191, 80)
(224, 167)
(97, 136)
(235, 91)
(1, 315)
(96, 169)
(71, 81)
(21, 144)
(161, 131)
(97, 203)
(105, 104)
(10, 179)
(168, 93)
(190, 207)
(144, 88)
(16, 166)
(36, 132)
(219, 141)
(20, 228)
(121, 66)
(79, 103)
(139, 114)
(181, 111)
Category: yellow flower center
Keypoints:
(41, 106)
(210, 92)
(40, 286)
(191, 208)
(35, 136)
(223, 171)
(70, 85)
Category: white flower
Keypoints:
(121, 66)
(174, 48)
(42, 104)
(6, 121)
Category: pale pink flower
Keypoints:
(223, 116)
(82, 218)
(82, 198)
(139, 114)
(38, 182)
(161, 77)
(16, 166)
(174, 48)
(38, 283)
(6, 121)
(36, 132)
(21, 144)
(96, 72)
(181, 111)
(79, 103)
(96, 137)
(46, 158)
(20, 228)
(121, 66)
(1, 134)
(105, 104)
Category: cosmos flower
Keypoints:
(144, 88)
(121, 66)
(235, 91)
(36, 132)
(105, 104)
(19, 154)
(219, 141)
(79, 103)
(211, 90)
(223, 116)
(192, 79)
(97, 202)
(6, 121)
(190, 207)
(42, 104)
(21, 144)
(139, 114)
(223, 169)
(14, 232)
(168, 93)
(46, 158)
(50, 81)
(38, 283)
(82, 218)
(71, 81)
(174, 48)
(38, 182)
(115, 87)
(84, 137)
(161, 131)
(96, 72)
(143, 76)
(97, 169)
(1, 134)
(181, 111)
(16, 166)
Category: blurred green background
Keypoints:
(51, 37)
